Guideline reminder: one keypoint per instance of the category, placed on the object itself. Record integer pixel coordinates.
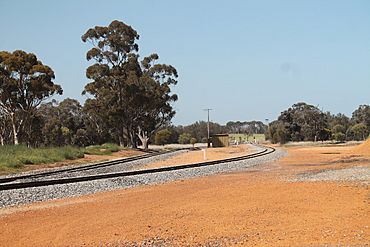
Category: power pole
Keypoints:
(208, 141)
(267, 129)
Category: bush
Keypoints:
(162, 137)
(278, 132)
(184, 138)
(339, 136)
(111, 147)
(193, 141)
(104, 149)
(360, 131)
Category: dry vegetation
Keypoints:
(20, 158)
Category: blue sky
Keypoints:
(248, 60)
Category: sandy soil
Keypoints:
(198, 156)
(256, 207)
(363, 149)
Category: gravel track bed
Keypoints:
(353, 174)
(108, 169)
(29, 195)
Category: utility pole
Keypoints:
(268, 126)
(208, 110)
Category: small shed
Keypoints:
(220, 140)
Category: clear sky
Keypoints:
(248, 60)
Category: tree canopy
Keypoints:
(133, 96)
(301, 122)
(24, 83)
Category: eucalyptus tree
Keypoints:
(155, 108)
(304, 122)
(360, 131)
(362, 115)
(132, 97)
(25, 82)
(162, 137)
(61, 121)
(3, 126)
(97, 126)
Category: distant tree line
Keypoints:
(304, 122)
(198, 131)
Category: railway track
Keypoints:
(85, 167)
(47, 182)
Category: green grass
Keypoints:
(104, 149)
(16, 157)
(243, 137)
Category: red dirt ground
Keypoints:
(363, 149)
(256, 207)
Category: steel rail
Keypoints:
(86, 167)
(40, 183)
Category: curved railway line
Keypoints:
(6, 183)
(85, 167)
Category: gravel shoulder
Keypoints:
(30, 195)
(329, 164)
(353, 174)
(210, 154)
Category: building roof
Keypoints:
(220, 135)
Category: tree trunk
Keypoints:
(133, 141)
(144, 138)
(15, 133)
(121, 142)
(131, 138)
(1, 140)
(121, 137)
(145, 141)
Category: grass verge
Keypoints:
(15, 158)
(104, 149)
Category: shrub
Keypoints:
(162, 137)
(339, 136)
(360, 131)
(193, 141)
(184, 138)
(106, 148)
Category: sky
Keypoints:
(247, 60)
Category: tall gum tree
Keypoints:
(155, 99)
(24, 83)
(133, 97)
(3, 126)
